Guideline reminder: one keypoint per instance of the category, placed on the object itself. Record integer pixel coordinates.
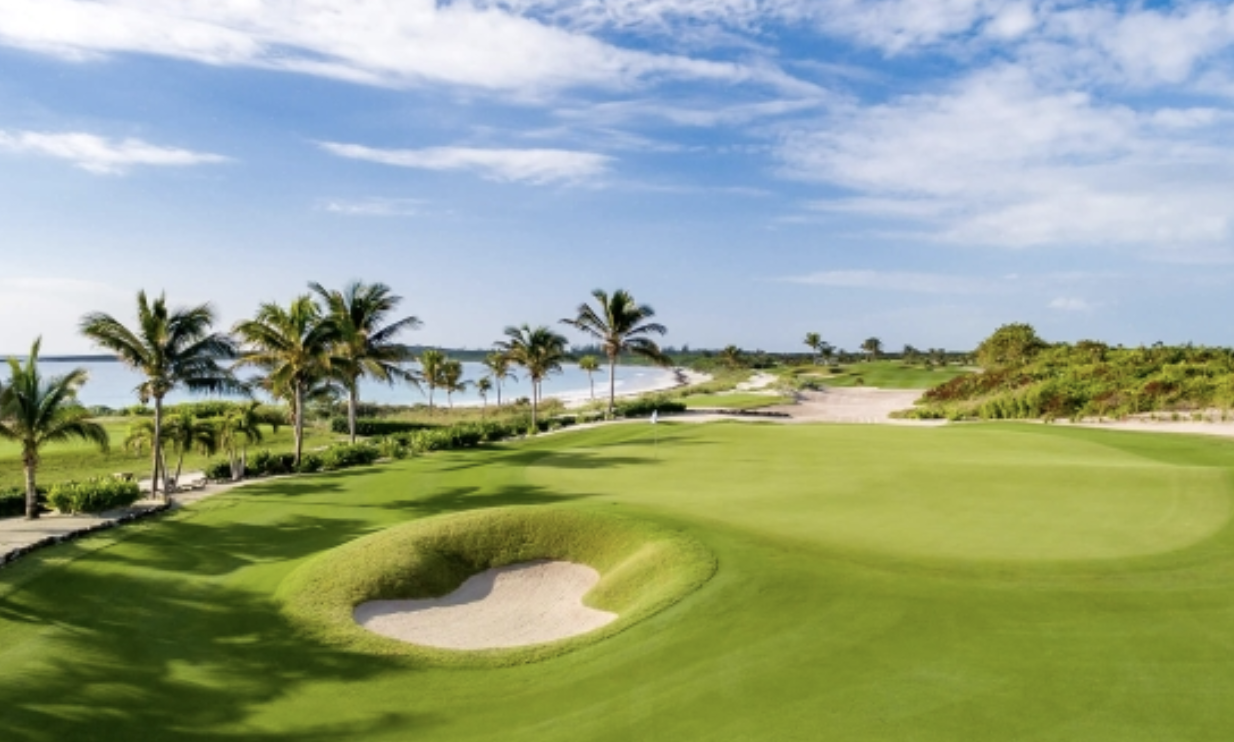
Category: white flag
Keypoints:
(654, 415)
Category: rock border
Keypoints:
(14, 554)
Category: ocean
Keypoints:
(113, 384)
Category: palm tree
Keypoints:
(452, 379)
(621, 326)
(590, 364)
(815, 342)
(171, 349)
(731, 356)
(182, 432)
(239, 428)
(432, 363)
(498, 365)
(484, 385)
(34, 413)
(872, 346)
(292, 345)
(539, 351)
(365, 344)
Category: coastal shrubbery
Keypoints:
(1087, 379)
(93, 495)
(368, 427)
(644, 406)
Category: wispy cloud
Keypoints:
(102, 156)
(538, 166)
(927, 283)
(373, 206)
(403, 44)
(1070, 304)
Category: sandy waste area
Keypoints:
(513, 606)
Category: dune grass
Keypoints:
(875, 583)
(643, 569)
(734, 401)
(77, 460)
(892, 375)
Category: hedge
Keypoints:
(375, 427)
(93, 495)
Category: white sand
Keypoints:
(511, 606)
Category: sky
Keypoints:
(918, 171)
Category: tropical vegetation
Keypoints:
(620, 325)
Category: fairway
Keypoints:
(969, 582)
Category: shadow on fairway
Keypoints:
(151, 656)
(458, 499)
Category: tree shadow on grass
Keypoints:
(459, 499)
(150, 655)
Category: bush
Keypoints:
(12, 503)
(218, 470)
(265, 463)
(310, 462)
(644, 406)
(372, 427)
(93, 495)
(346, 455)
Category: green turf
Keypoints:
(892, 375)
(76, 460)
(734, 401)
(982, 582)
(643, 569)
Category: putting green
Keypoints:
(982, 582)
(1022, 496)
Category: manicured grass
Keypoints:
(734, 401)
(893, 375)
(978, 582)
(76, 460)
(643, 569)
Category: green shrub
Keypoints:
(374, 427)
(93, 495)
(310, 462)
(12, 502)
(345, 455)
(644, 406)
(218, 470)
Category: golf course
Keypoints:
(847, 582)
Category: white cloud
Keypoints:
(537, 166)
(102, 156)
(373, 206)
(399, 43)
(999, 160)
(927, 283)
(1070, 304)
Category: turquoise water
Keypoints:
(113, 385)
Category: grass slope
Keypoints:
(893, 375)
(734, 401)
(77, 460)
(875, 583)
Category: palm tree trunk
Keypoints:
(179, 465)
(299, 420)
(612, 383)
(430, 400)
(591, 379)
(244, 464)
(156, 446)
(353, 398)
(498, 391)
(534, 425)
(32, 491)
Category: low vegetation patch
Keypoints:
(93, 495)
(734, 401)
(644, 569)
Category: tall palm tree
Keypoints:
(815, 342)
(171, 349)
(540, 351)
(432, 366)
(590, 364)
(731, 356)
(498, 365)
(872, 346)
(452, 379)
(34, 412)
(484, 385)
(621, 326)
(366, 343)
(237, 430)
(292, 345)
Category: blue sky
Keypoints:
(755, 169)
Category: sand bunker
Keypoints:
(514, 606)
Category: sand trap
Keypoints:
(529, 603)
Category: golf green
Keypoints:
(875, 583)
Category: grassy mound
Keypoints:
(644, 569)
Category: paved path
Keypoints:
(19, 533)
